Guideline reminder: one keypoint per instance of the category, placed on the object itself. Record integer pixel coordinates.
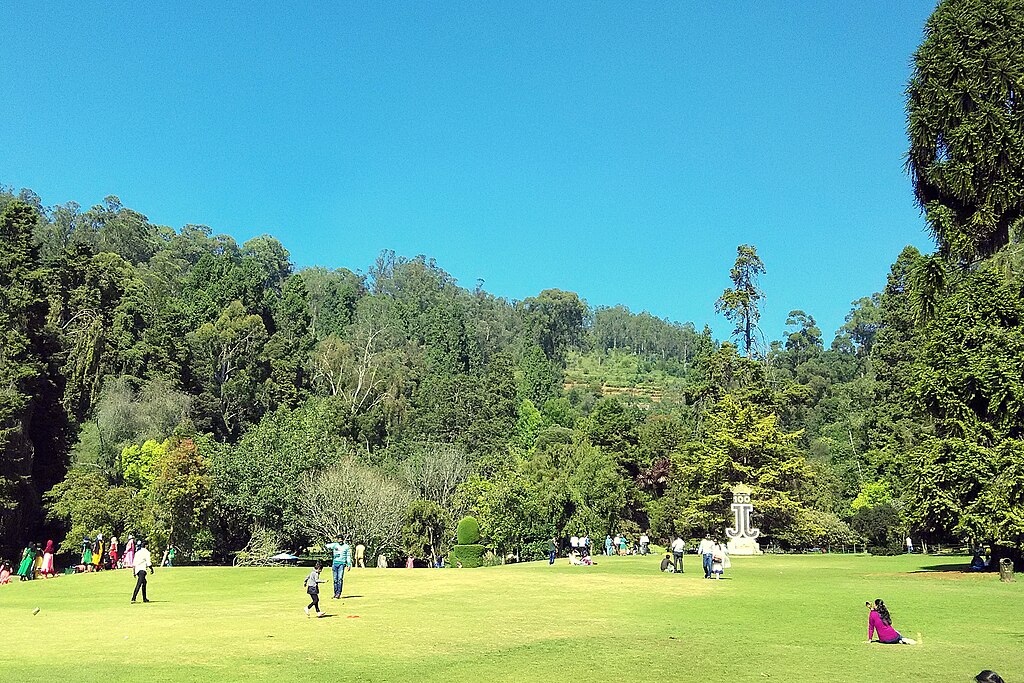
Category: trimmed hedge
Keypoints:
(468, 531)
(884, 550)
(470, 555)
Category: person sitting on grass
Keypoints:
(580, 560)
(978, 563)
(5, 573)
(667, 565)
(987, 676)
(879, 620)
(312, 583)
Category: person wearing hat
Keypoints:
(143, 561)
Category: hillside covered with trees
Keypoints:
(176, 384)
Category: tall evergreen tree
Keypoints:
(33, 425)
(966, 125)
(739, 303)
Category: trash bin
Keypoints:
(1006, 570)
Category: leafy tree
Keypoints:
(227, 350)
(742, 445)
(861, 326)
(538, 378)
(969, 380)
(740, 303)
(180, 494)
(512, 514)
(966, 127)
(257, 482)
(805, 341)
(435, 471)
(881, 527)
(333, 296)
(426, 530)
(357, 501)
(34, 428)
(971, 492)
(528, 426)
(557, 320)
(85, 503)
(140, 464)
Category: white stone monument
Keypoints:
(742, 538)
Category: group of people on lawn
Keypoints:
(581, 547)
(96, 555)
(620, 545)
(714, 556)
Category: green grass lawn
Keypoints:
(783, 618)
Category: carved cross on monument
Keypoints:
(742, 536)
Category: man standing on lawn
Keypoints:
(142, 562)
(707, 552)
(678, 548)
(342, 558)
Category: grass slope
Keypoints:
(775, 618)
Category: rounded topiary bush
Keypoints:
(467, 556)
(468, 531)
(469, 552)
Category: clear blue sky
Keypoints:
(619, 150)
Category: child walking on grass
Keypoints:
(312, 584)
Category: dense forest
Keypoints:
(178, 385)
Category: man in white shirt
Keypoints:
(574, 542)
(143, 561)
(678, 548)
(707, 552)
(645, 541)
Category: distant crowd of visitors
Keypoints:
(713, 553)
(96, 555)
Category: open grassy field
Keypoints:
(784, 618)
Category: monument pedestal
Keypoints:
(743, 546)
(742, 537)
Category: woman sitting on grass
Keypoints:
(880, 621)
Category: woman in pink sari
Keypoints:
(128, 559)
(47, 568)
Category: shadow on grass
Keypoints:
(953, 567)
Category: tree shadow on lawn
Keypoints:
(960, 567)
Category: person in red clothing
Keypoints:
(48, 568)
(880, 621)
